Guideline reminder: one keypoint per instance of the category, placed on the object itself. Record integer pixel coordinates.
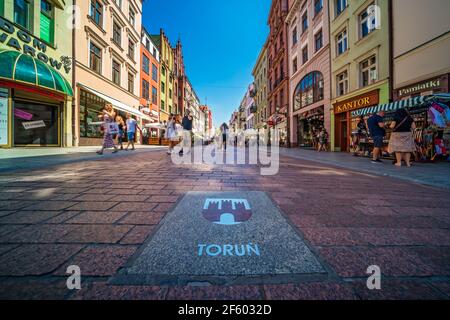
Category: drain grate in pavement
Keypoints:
(222, 238)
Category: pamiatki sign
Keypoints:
(220, 237)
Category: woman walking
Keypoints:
(174, 132)
(402, 142)
(108, 116)
(121, 135)
(224, 130)
(323, 140)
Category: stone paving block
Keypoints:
(8, 205)
(397, 290)
(137, 235)
(28, 217)
(158, 199)
(26, 289)
(7, 247)
(134, 206)
(99, 260)
(93, 206)
(103, 291)
(63, 217)
(94, 233)
(247, 292)
(50, 205)
(310, 291)
(93, 197)
(35, 259)
(142, 218)
(443, 287)
(96, 217)
(354, 261)
(44, 233)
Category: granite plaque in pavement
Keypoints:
(221, 237)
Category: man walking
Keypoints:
(377, 132)
(131, 126)
(187, 131)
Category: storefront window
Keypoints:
(90, 108)
(309, 90)
(36, 124)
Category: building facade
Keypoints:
(277, 51)
(179, 79)
(250, 107)
(309, 71)
(35, 74)
(424, 45)
(107, 63)
(360, 63)
(166, 79)
(149, 75)
(260, 81)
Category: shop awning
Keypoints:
(441, 96)
(116, 104)
(20, 67)
(390, 107)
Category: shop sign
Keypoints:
(423, 86)
(3, 117)
(358, 102)
(23, 41)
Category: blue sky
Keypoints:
(221, 41)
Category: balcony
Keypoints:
(254, 109)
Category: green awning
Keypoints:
(391, 107)
(17, 66)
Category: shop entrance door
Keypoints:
(344, 135)
(36, 124)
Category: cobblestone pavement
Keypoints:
(97, 214)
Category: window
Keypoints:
(170, 93)
(145, 64)
(47, 22)
(294, 65)
(340, 6)
(163, 71)
(117, 34)
(368, 71)
(318, 40)
(97, 12)
(132, 17)
(131, 49)
(118, 3)
(95, 58)
(163, 105)
(22, 13)
(154, 95)
(154, 72)
(342, 42)
(318, 5)
(366, 23)
(305, 54)
(130, 82)
(309, 90)
(116, 72)
(163, 87)
(305, 21)
(342, 83)
(294, 36)
(145, 90)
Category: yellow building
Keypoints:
(166, 79)
(260, 86)
(360, 63)
(35, 73)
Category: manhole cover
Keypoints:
(221, 237)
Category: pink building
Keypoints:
(309, 70)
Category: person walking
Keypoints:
(174, 132)
(108, 116)
(377, 132)
(187, 131)
(323, 140)
(224, 130)
(121, 134)
(131, 126)
(402, 142)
